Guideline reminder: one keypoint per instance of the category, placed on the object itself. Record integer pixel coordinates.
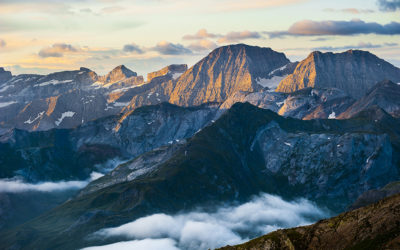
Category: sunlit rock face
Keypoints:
(214, 79)
(353, 71)
(225, 71)
(119, 73)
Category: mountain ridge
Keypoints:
(354, 71)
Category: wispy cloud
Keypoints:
(350, 10)
(201, 34)
(227, 225)
(358, 46)
(239, 36)
(344, 28)
(2, 43)
(57, 50)
(167, 48)
(133, 48)
(203, 45)
(235, 5)
(389, 5)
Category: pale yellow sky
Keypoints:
(51, 35)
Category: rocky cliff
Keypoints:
(385, 95)
(353, 71)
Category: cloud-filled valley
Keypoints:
(17, 185)
(229, 225)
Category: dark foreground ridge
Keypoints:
(376, 226)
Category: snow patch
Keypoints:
(53, 82)
(121, 104)
(369, 159)
(5, 88)
(271, 83)
(37, 117)
(64, 115)
(288, 144)
(280, 103)
(5, 104)
(176, 75)
(332, 115)
(278, 69)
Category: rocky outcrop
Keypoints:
(372, 227)
(315, 104)
(4, 75)
(262, 99)
(375, 195)
(353, 71)
(385, 95)
(175, 70)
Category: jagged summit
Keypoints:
(226, 70)
(354, 71)
(117, 74)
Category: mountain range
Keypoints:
(243, 120)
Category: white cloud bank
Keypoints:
(16, 185)
(201, 230)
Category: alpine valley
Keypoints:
(241, 144)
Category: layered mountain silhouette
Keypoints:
(241, 121)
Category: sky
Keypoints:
(45, 36)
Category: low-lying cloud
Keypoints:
(57, 50)
(343, 28)
(17, 185)
(226, 225)
(147, 244)
(389, 5)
